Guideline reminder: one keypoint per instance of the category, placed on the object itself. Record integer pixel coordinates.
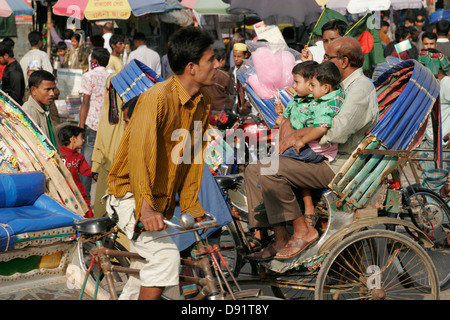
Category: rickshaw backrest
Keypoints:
(22, 189)
(407, 94)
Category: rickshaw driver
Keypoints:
(149, 168)
(276, 189)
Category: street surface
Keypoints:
(60, 291)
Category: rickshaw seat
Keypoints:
(93, 225)
(24, 207)
(229, 182)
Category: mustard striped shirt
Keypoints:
(146, 162)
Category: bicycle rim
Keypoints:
(230, 248)
(429, 212)
(389, 266)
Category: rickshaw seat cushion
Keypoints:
(27, 215)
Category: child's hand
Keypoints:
(94, 176)
(278, 120)
(298, 145)
(279, 107)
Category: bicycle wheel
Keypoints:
(390, 266)
(231, 248)
(431, 214)
(120, 279)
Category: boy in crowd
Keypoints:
(61, 50)
(71, 139)
(240, 52)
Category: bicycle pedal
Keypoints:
(247, 293)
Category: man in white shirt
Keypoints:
(144, 54)
(443, 43)
(35, 53)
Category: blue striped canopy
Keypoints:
(400, 124)
(135, 78)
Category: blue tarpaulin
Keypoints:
(213, 201)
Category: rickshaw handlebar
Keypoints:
(188, 222)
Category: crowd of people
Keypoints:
(32, 83)
(132, 161)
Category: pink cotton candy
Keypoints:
(260, 89)
(288, 61)
(268, 66)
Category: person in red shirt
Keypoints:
(71, 139)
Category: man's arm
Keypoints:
(84, 109)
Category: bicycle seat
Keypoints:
(93, 225)
(229, 182)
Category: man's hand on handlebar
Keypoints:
(445, 191)
(152, 220)
(200, 219)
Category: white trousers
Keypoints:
(162, 258)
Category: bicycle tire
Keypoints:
(426, 208)
(348, 273)
(231, 248)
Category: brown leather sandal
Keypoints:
(259, 256)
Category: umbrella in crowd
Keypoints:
(406, 4)
(206, 6)
(278, 12)
(16, 7)
(105, 9)
(360, 6)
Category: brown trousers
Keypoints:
(276, 188)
